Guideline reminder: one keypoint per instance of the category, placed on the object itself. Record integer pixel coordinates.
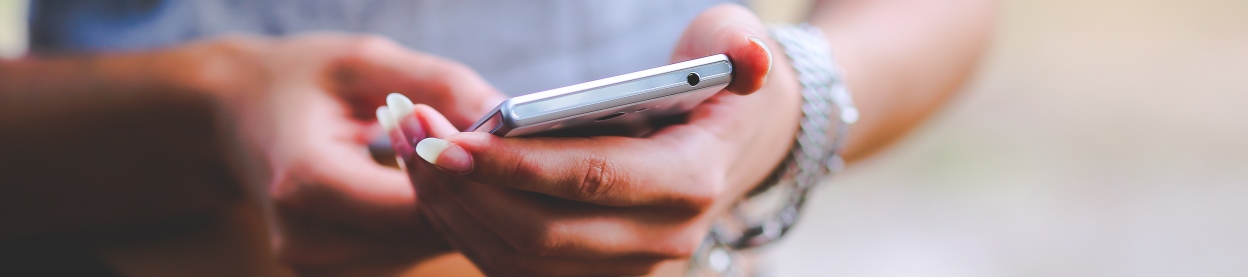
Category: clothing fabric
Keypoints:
(518, 46)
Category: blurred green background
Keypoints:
(1100, 138)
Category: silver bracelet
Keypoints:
(769, 211)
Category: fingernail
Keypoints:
(409, 129)
(445, 154)
(385, 119)
(762, 44)
(400, 106)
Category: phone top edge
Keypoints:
(625, 93)
(623, 89)
(512, 115)
(517, 123)
(552, 93)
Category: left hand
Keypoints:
(613, 205)
(301, 107)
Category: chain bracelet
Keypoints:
(827, 112)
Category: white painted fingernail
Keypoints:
(760, 43)
(430, 148)
(400, 106)
(385, 118)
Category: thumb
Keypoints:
(735, 31)
(367, 77)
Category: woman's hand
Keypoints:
(303, 106)
(608, 205)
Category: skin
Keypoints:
(621, 206)
(291, 115)
(903, 59)
(606, 205)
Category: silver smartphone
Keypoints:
(629, 104)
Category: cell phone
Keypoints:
(629, 104)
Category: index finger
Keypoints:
(611, 171)
(373, 67)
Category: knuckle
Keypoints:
(521, 173)
(598, 179)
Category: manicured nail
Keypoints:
(400, 106)
(385, 118)
(445, 154)
(762, 44)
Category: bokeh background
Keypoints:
(1100, 138)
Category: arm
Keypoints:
(117, 138)
(82, 134)
(903, 59)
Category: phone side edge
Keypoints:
(608, 81)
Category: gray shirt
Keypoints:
(519, 46)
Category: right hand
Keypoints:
(303, 108)
(609, 205)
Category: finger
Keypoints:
(407, 123)
(316, 245)
(353, 182)
(540, 225)
(613, 171)
(733, 30)
(341, 208)
(335, 167)
(438, 124)
(373, 67)
(437, 207)
(496, 257)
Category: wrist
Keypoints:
(827, 110)
(770, 145)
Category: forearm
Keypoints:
(95, 140)
(47, 88)
(902, 59)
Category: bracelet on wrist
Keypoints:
(770, 210)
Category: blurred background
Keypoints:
(12, 27)
(1100, 138)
